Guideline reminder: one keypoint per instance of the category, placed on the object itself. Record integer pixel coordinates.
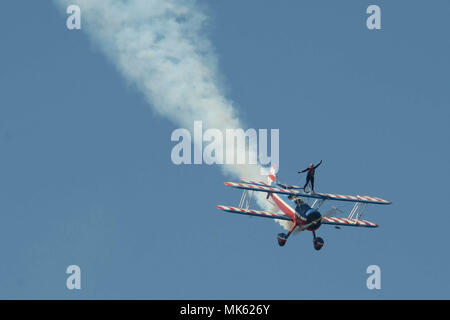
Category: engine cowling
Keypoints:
(313, 215)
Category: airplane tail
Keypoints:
(272, 178)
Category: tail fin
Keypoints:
(272, 178)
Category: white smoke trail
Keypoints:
(160, 46)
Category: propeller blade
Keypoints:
(327, 214)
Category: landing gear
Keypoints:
(282, 238)
(317, 241)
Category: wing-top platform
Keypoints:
(322, 196)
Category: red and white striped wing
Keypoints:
(348, 222)
(261, 183)
(324, 196)
(365, 199)
(251, 212)
(257, 187)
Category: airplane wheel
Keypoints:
(318, 243)
(282, 238)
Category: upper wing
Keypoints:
(257, 213)
(264, 184)
(323, 196)
(256, 183)
(348, 222)
(260, 187)
(339, 197)
(288, 186)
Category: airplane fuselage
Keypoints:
(300, 212)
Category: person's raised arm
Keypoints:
(318, 164)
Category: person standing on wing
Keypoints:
(310, 177)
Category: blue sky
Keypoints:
(86, 176)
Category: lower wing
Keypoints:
(250, 212)
(348, 222)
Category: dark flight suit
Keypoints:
(310, 176)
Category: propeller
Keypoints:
(327, 214)
(338, 209)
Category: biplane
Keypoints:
(292, 204)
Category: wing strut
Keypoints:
(357, 211)
(246, 199)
